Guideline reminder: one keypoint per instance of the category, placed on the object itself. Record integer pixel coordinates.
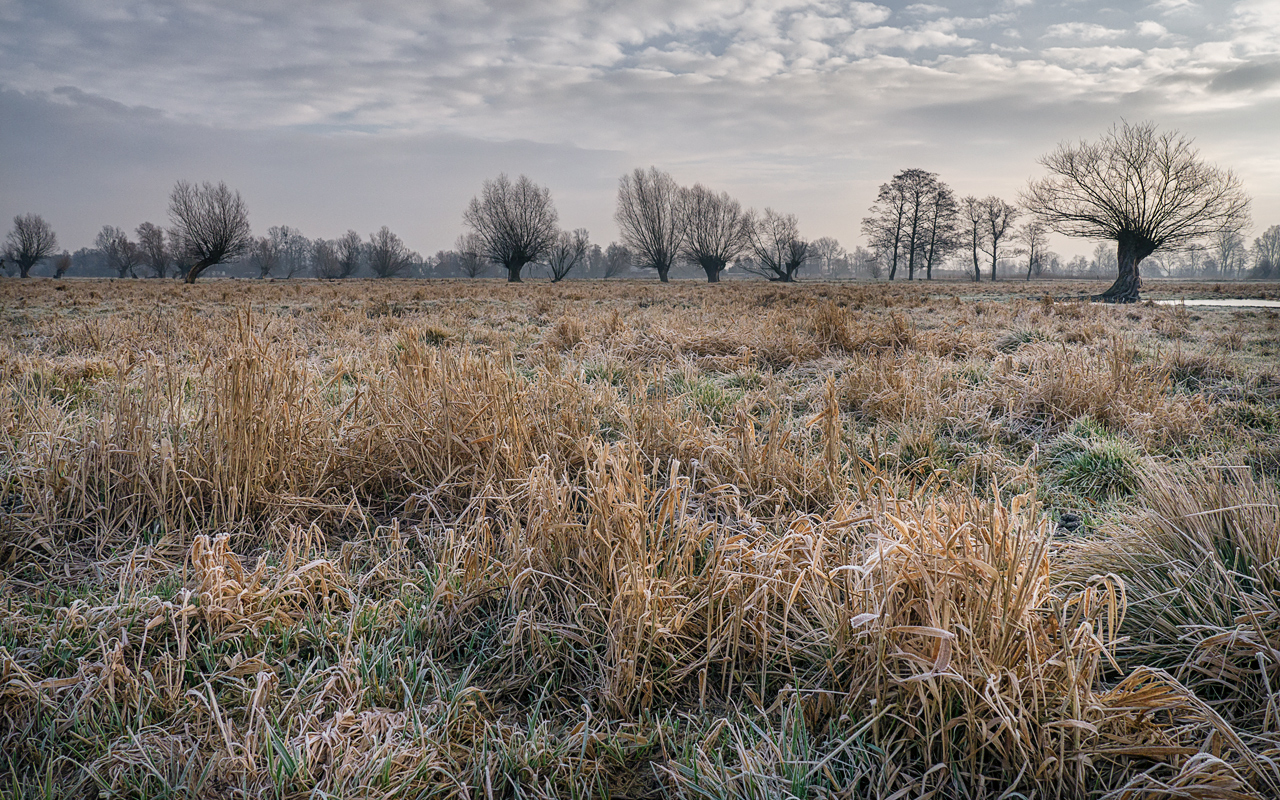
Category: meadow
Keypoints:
(623, 539)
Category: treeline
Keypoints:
(917, 227)
(290, 254)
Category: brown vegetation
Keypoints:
(467, 539)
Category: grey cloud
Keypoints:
(1252, 76)
(74, 96)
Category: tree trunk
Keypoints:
(24, 269)
(977, 269)
(1130, 250)
(713, 268)
(662, 273)
(197, 268)
(513, 273)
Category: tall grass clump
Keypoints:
(1090, 464)
(1200, 561)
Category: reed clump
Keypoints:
(390, 539)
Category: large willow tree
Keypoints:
(512, 224)
(1144, 189)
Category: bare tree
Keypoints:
(61, 263)
(912, 219)
(155, 252)
(862, 262)
(264, 255)
(940, 237)
(617, 260)
(1266, 252)
(388, 256)
(326, 264)
(178, 251)
(776, 244)
(1077, 267)
(716, 230)
(1034, 237)
(470, 261)
(212, 223)
(973, 231)
(350, 250)
(31, 241)
(1104, 259)
(1229, 250)
(998, 218)
(513, 223)
(293, 250)
(828, 254)
(886, 229)
(1140, 188)
(122, 256)
(568, 252)
(648, 215)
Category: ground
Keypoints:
(406, 538)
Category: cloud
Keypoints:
(1254, 76)
(1094, 56)
(925, 9)
(799, 93)
(73, 96)
(1172, 6)
(868, 13)
(1255, 25)
(1152, 28)
(1083, 31)
(870, 41)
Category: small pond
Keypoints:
(1222, 302)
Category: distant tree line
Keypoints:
(1145, 194)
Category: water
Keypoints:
(1222, 302)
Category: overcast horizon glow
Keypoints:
(328, 116)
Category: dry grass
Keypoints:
(632, 540)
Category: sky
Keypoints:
(329, 116)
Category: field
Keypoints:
(465, 539)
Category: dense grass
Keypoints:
(462, 539)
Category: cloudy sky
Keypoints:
(328, 116)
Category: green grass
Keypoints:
(1092, 465)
